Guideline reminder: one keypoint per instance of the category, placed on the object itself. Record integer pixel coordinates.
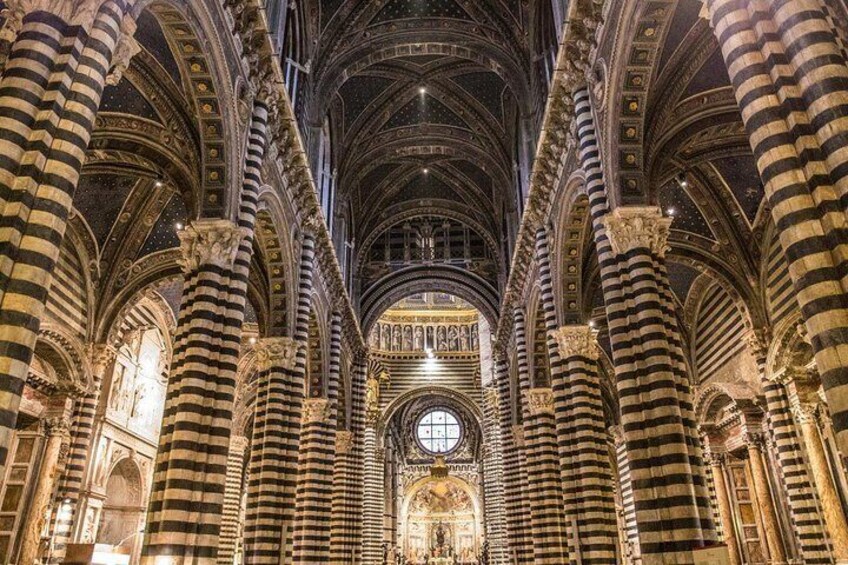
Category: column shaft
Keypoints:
(831, 506)
(373, 498)
(798, 137)
(55, 451)
(102, 358)
(517, 528)
(493, 480)
(231, 519)
(544, 493)
(56, 71)
(725, 510)
(186, 502)
(762, 490)
(269, 524)
(587, 470)
(666, 467)
(795, 476)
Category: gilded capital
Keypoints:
(316, 411)
(637, 227)
(577, 341)
(540, 401)
(276, 353)
(210, 242)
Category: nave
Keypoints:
(423, 282)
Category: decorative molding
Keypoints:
(518, 435)
(210, 242)
(276, 353)
(540, 401)
(638, 227)
(239, 444)
(577, 341)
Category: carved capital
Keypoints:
(518, 435)
(638, 227)
(577, 341)
(758, 340)
(805, 412)
(56, 427)
(540, 401)
(276, 353)
(616, 435)
(344, 442)
(125, 50)
(210, 242)
(715, 459)
(755, 440)
(101, 356)
(316, 411)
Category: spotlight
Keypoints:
(252, 341)
(425, 170)
(158, 183)
(591, 323)
(681, 180)
(671, 211)
(179, 226)
(422, 90)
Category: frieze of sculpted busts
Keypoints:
(577, 341)
(210, 242)
(638, 227)
(276, 353)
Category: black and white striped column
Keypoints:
(544, 494)
(270, 518)
(232, 518)
(315, 469)
(374, 493)
(791, 83)
(587, 471)
(796, 481)
(670, 494)
(186, 502)
(102, 358)
(493, 479)
(518, 530)
(55, 71)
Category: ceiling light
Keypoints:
(422, 90)
(179, 225)
(671, 211)
(158, 184)
(252, 341)
(425, 170)
(681, 180)
(591, 323)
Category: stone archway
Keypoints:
(123, 509)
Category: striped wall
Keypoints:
(718, 331)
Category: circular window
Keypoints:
(439, 431)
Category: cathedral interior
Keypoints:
(423, 282)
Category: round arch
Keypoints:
(413, 280)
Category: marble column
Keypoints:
(231, 517)
(717, 462)
(493, 481)
(55, 451)
(806, 414)
(344, 510)
(373, 496)
(762, 490)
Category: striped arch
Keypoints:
(454, 395)
(570, 248)
(316, 367)
(413, 280)
(65, 353)
(718, 395)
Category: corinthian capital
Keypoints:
(637, 227)
(210, 242)
(125, 50)
(316, 411)
(276, 353)
(491, 398)
(101, 355)
(577, 341)
(540, 401)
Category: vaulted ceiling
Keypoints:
(423, 98)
